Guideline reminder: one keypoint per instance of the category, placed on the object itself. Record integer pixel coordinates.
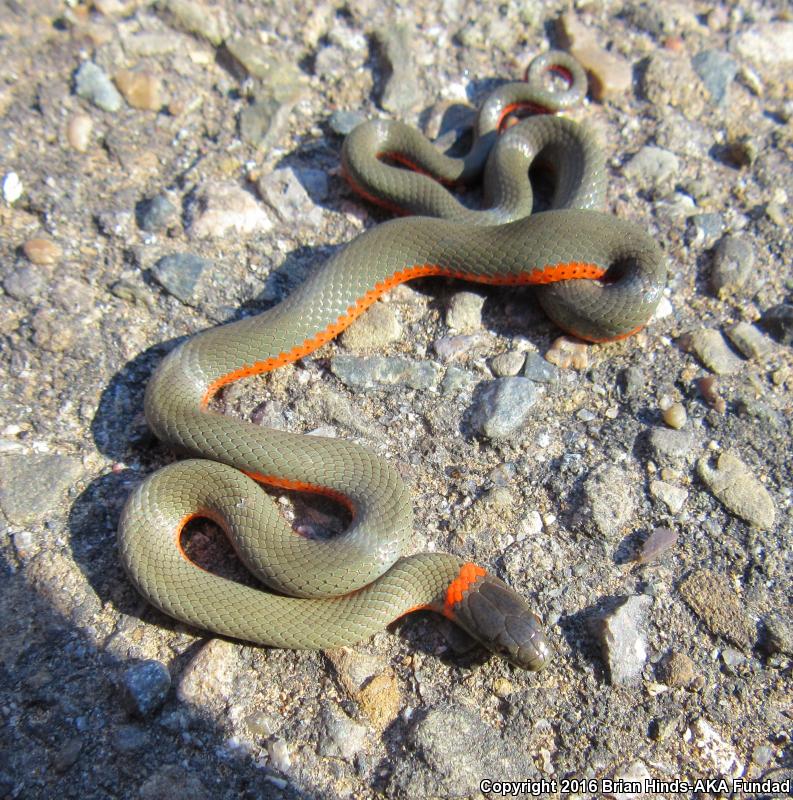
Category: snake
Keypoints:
(595, 275)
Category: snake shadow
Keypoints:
(63, 689)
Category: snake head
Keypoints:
(499, 618)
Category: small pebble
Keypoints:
(219, 209)
(179, 274)
(258, 62)
(670, 445)
(777, 634)
(343, 122)
(507, 365)
(200, 18)
(673, 497)
(675, 416)
(609, 497)
(78, 131)
(709, 390)
(380, 699)
(762, 755)
(632, 381)
(656, 544)
(710, 348)
(447, 348)
(401, 92)
(732, 658)
(733, 483)
(278, 751)
(284, 192)
(652, 168)
(375, 328)
(704, 229)
(144, 687)
(733, 260)
(464, 313)
(539, 370)
(503, 406)
(623, 641)
(380, 372)
(708, 595)
(141, 90)
(24, 282)
(93, 84)
(719, 755)
(611, 75)
(750, 340)
(342, 737)
(155, 213)
(530, 525)
(766, 43)
(503, 687)
(568, 353)
(41, 251)
(12, 188)
(778, 321)
(676, 670)
(716, 69)
(458, 380)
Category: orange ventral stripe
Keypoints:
(530, 108)
(403, 161)
(302, 486)
(468, 575)
(550, 273)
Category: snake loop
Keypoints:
(595, 275)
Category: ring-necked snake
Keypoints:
(596, 276)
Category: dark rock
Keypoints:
(503, 405)
(778, 321)
(179, 273)
(716, 69)
(144, 687)
(155, 213)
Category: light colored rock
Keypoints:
(141, 90)
(710, 348)
(673, 497)
(464, 313)
(769, 44)
(42, 251)
(611, 75)
(375, 328)
(566, 352)
(78, 131)
(222, 208)
(735, 485)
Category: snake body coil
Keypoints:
(596, 276)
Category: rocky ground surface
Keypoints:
(167, 166)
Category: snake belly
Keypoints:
(343, 591)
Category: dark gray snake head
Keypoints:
(502, 621)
